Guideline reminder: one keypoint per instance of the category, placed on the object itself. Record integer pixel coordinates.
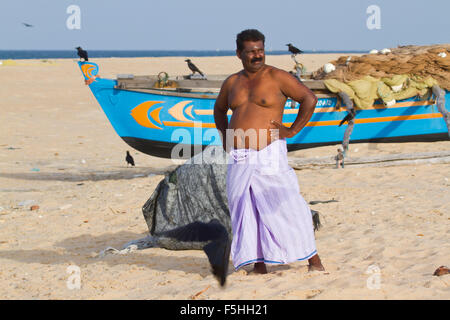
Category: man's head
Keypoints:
(250, 49)
(248, 35)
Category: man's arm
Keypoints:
(220, 112)
(294, 89)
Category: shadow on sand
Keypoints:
(114, 174)
(78, 251)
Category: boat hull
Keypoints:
(179, 126)
(164, 149)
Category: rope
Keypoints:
(163, 80)
(440, 103)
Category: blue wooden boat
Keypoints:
(179, 121)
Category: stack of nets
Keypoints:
(411, 61)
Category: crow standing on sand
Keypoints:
(193, 67)
(293, 49)
(82, 53)
(129, 159)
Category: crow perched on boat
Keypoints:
(27, 25)
(217, 249)
(82, 54)
(129, 159)
(293, 49)
(350, 116)
(193, 67)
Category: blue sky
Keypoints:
(211, 24)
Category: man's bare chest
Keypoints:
(262, 94)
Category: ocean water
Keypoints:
(72, 54)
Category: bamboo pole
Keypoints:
(374, 161)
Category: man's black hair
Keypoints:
(248, 35)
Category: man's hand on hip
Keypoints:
(283, 132)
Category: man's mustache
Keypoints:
(256, 59)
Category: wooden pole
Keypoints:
(348, 131)
(440, 103)
(375, 161)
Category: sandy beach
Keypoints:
(384, 237)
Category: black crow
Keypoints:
(129, 159)
(293, 49)
(193, 67)
(316, 220)
(27, 25)
(217, 249)
(82, 54)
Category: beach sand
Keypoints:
(383, 239)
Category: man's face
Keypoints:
(252, 55)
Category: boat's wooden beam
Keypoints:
(147, 82)
(315, 84)
(207, 93)
(173, 92)
(375, 161)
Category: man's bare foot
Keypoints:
(260, 267)
(315, 264)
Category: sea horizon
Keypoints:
(64, 54)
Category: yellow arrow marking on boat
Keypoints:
(189, 124)
(87, 70)
(177, 111)
(332, 109)
(208, 112)
(323, 123)
(189, 112)
(155, 115)
(140, 114)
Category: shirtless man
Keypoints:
(257, 96)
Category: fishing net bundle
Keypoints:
(416, 62)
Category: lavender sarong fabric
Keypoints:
(271, 221)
